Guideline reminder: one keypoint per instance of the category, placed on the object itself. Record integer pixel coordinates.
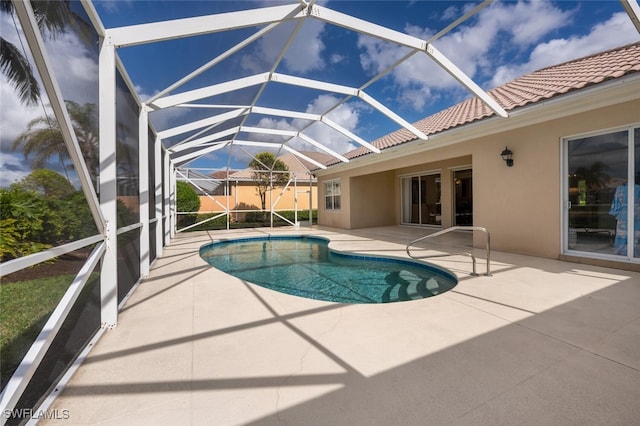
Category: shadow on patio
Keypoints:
(541, 342)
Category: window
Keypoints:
(602, 190)
(332, 195)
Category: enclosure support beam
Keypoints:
(173, 198)
(202, 151)
(143, 174)
(209, 138)
(188, 27)
(157, 158)
(108, 184)
(195, 125)
(633, 10)
(167, 198)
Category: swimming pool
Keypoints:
(305, 266)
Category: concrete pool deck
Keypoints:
(541, 342)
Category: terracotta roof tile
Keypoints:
(296, 165)
(528, 89)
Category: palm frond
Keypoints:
(19, 73)
(6, 6)
(53, 16)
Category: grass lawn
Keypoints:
(24, 308)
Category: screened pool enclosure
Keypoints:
(98, 204)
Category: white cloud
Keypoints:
(13, 169)
(167, 118)
(14, 117)
(616, 31)
(113, 5)
(272, 123)
(471, 47)
(524, 22)
(377, 55)
(75, 68)
(450, 13)
(345, 115)
(303, 55)
(336, 58)
(417, 97)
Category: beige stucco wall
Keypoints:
(336, 218)
(522, 205)
(248, 194)
(372, 200)
(519, 205)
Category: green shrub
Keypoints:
(79, 222)
(23, 216)
(40, 211)
(251, 216)
(187, 200)
(303, 215)
(218, 223)
(250, 220)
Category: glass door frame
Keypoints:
(566, 206)
(419, 175)
(454, 189)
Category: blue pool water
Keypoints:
(304, 266)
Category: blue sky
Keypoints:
(505, 40)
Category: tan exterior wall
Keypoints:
(522, 205)
(336, 218)
(519, 205)
(372, 200)
(247, 193)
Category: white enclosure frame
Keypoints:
(167, 159)
(273, 16)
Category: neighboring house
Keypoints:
(574, 131)
(241, 192)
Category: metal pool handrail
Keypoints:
(451, 229)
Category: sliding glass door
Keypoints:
(421, 200)
(603, 194)
(463, 197)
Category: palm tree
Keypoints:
(43, 138)
(52, 16)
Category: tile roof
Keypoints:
(298, 165)
(221, 174)
(531, 88)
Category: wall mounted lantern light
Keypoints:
(507, 156)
